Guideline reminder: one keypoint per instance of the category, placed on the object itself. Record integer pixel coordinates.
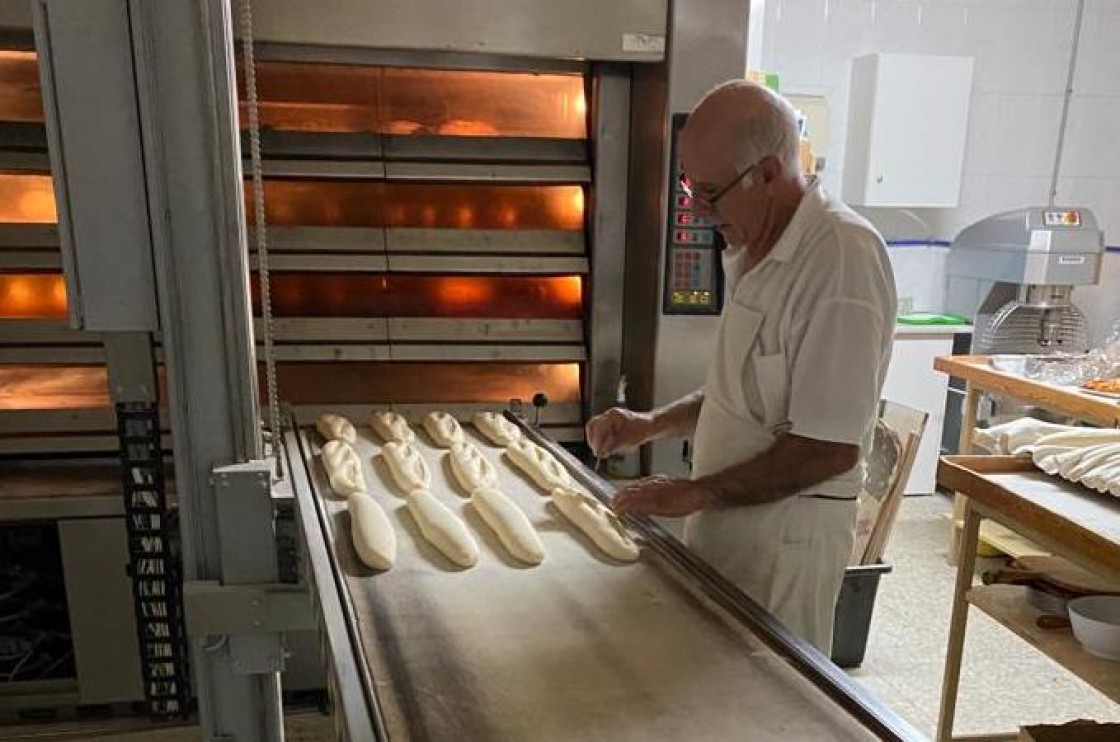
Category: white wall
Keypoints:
(1022, 50)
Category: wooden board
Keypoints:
(1065, 575)
(1084, 523)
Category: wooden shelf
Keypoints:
(978, 371)
(1008, 605)
(1061, 517)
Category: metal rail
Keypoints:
(359, 713)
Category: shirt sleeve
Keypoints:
(837, 372)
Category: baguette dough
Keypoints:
(372, 533)
(600, 524)
(407, 466)
(344, 468)
(442, 528)
(471, 468)
(443, 428)
(539, 464)
(391, 426)
(499, 430)
(510, 523)
(336, 428)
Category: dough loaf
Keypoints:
(336, 428)
(471, 468)
(508, 521)
(443, 428)
(442, 528)
(499, 430)
(344, 468)
(372, 533)
(594, 519)
(407, 466)
(391, 426)
(539, 464)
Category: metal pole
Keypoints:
(1071, 72)
(183, 52)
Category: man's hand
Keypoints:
(618, 429)
(661, 495)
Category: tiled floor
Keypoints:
(1004, 684)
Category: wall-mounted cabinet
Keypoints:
(907, 125)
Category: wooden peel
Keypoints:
(1066, 575)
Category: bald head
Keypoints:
(739, 150)
(743, 122)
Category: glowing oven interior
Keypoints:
(394, 102)
(420, 102)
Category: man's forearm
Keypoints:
(677, 418)
(792, 464)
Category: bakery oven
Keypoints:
(433, 232)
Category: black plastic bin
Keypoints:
(853, 613)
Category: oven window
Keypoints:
(298, 96)
(323, 294)
(308, 203)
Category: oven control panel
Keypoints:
(693, 272)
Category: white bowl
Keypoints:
(1096, 624)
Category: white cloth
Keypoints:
(803, 346)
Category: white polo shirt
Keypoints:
(817, 318)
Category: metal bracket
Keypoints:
(213, 609)
(246, 533)
(249, 606)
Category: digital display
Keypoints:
(1062, 218)
(693, 274)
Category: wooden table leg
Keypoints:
(966, 567)
(964, 447)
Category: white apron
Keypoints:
(789, 555)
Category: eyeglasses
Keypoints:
(710, 201)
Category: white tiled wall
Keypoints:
(1022, 50)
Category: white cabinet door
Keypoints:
(907, 124)
(912, 381)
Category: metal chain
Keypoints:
(260, 228)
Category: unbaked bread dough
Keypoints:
(539, 464)
(443, 428)
(442, 528)
(344, 468)
(495, 426)
(391, 426)
(336, 428)
(508, 521)
(407, 466)
(372, 533)
(599, 523)
(471, 468)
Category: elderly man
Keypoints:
(789, 404)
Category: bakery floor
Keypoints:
(1005, 683)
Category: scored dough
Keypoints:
(336, 428)
(372, 533)
(471, 468)
(597, 521)
(391, 426)
(499, 430)
(407, 466)
(443, 428)
(344, 468)
(442, 528)
(510, 523)
(539, 464)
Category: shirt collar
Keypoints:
(786, 246)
